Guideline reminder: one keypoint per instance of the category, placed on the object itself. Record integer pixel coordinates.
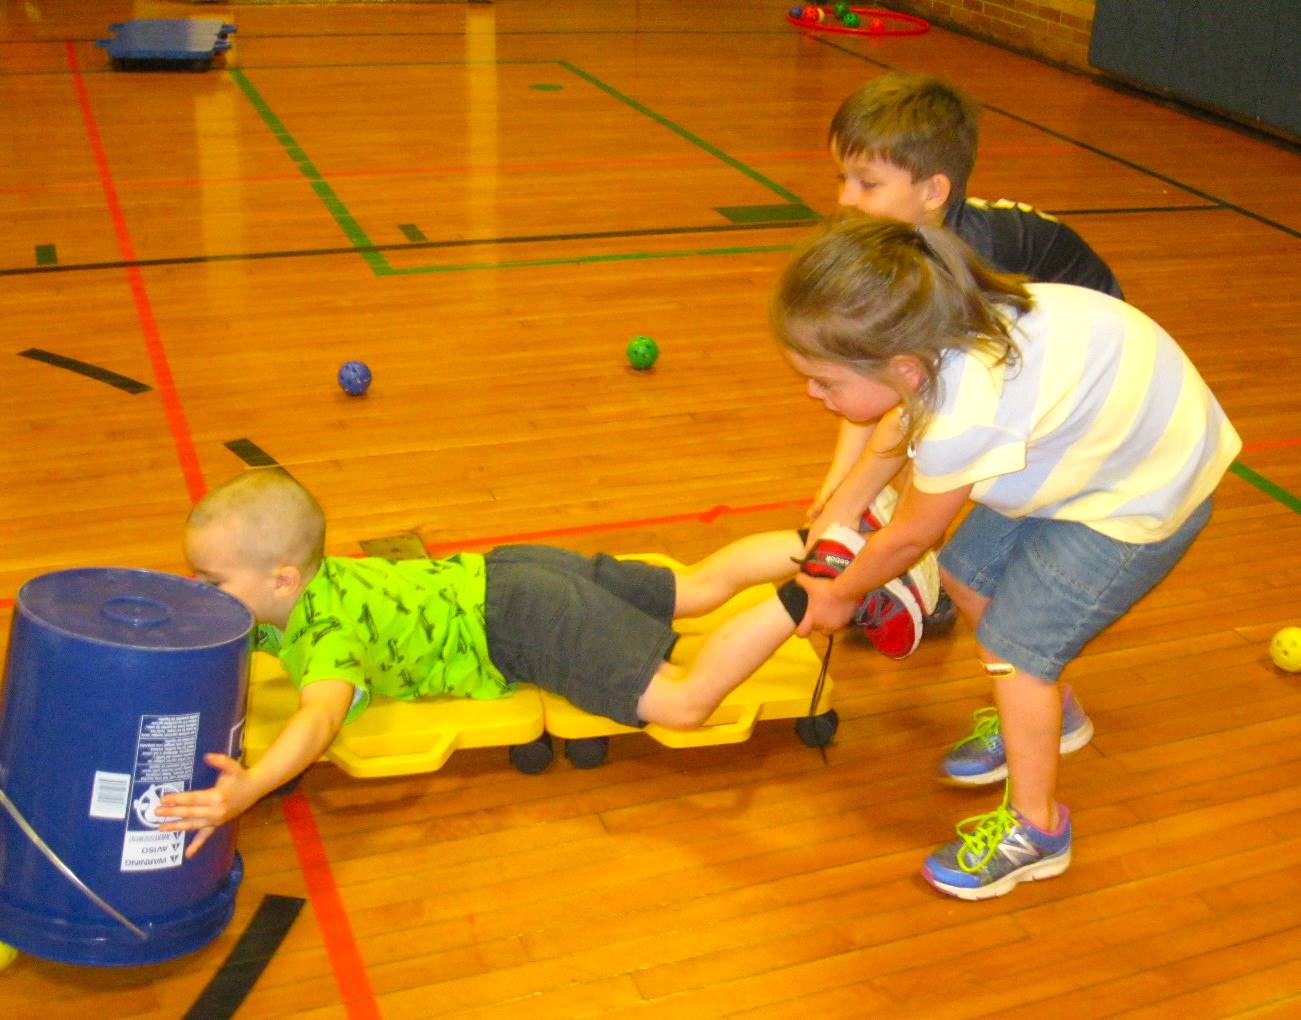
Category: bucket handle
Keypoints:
(68, 873)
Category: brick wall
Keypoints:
(1057, 30)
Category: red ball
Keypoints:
(877, 25)
(813, 13)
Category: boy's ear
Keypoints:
(936, 190)
(286, 580)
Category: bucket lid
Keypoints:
(134, 608)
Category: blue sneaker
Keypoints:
(995, 851)
(979, 759)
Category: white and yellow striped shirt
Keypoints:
(1103, 421)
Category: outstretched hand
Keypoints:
(827, 612)
(207, 810)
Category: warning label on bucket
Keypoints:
(164, 764)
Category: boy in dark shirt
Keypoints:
(905, 145)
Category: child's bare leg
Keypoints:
(1030, 715)
(731, 654)
(971, 605)
(1030, 720)
(755, 559)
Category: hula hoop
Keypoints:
(913, 25)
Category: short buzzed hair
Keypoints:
(277, 521)
(914, 121)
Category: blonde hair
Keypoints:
(277, 522)
(914, 121)
(862, 291)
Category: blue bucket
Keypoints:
(117, 683)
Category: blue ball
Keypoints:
(354, 378)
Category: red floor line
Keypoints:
(1271, 444)
(331, 917)
(469, 168)
(414, 171)
(163, 381)
(703, 517)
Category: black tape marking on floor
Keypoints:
(104, 375)
(226, 992)
(251, 454)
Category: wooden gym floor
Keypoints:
(484, 202)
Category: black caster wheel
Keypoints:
(533, 757)
(587, 752)
(817, 730)
(942, 620)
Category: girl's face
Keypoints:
(851, 394)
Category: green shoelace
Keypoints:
(981, 834)
(986, 729)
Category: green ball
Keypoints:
(841, 10)
(642, 352)
(850, 20)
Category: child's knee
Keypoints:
(671, 703)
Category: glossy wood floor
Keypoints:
(484, 202)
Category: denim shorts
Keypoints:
(1054, 585)
(593, 629)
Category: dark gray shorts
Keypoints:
(592, 629)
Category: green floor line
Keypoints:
(1266, 486)
(333, 204)
(574, 260)
(351, 64)
(380, 264)
(682, 132)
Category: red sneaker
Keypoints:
(891, 618)
(879, 512)
(923, 577)
(833, 552)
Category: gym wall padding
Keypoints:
(1241, 58)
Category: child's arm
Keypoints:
(851, 441)
(322, 708)
(878, 462)
(919, 523)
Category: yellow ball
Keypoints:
(8, 954)
(1285, 649)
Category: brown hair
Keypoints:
(275, 519)
(914, 121)
(862, 290)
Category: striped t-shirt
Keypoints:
(1103, 421)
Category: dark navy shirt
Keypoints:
(1017, 238)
